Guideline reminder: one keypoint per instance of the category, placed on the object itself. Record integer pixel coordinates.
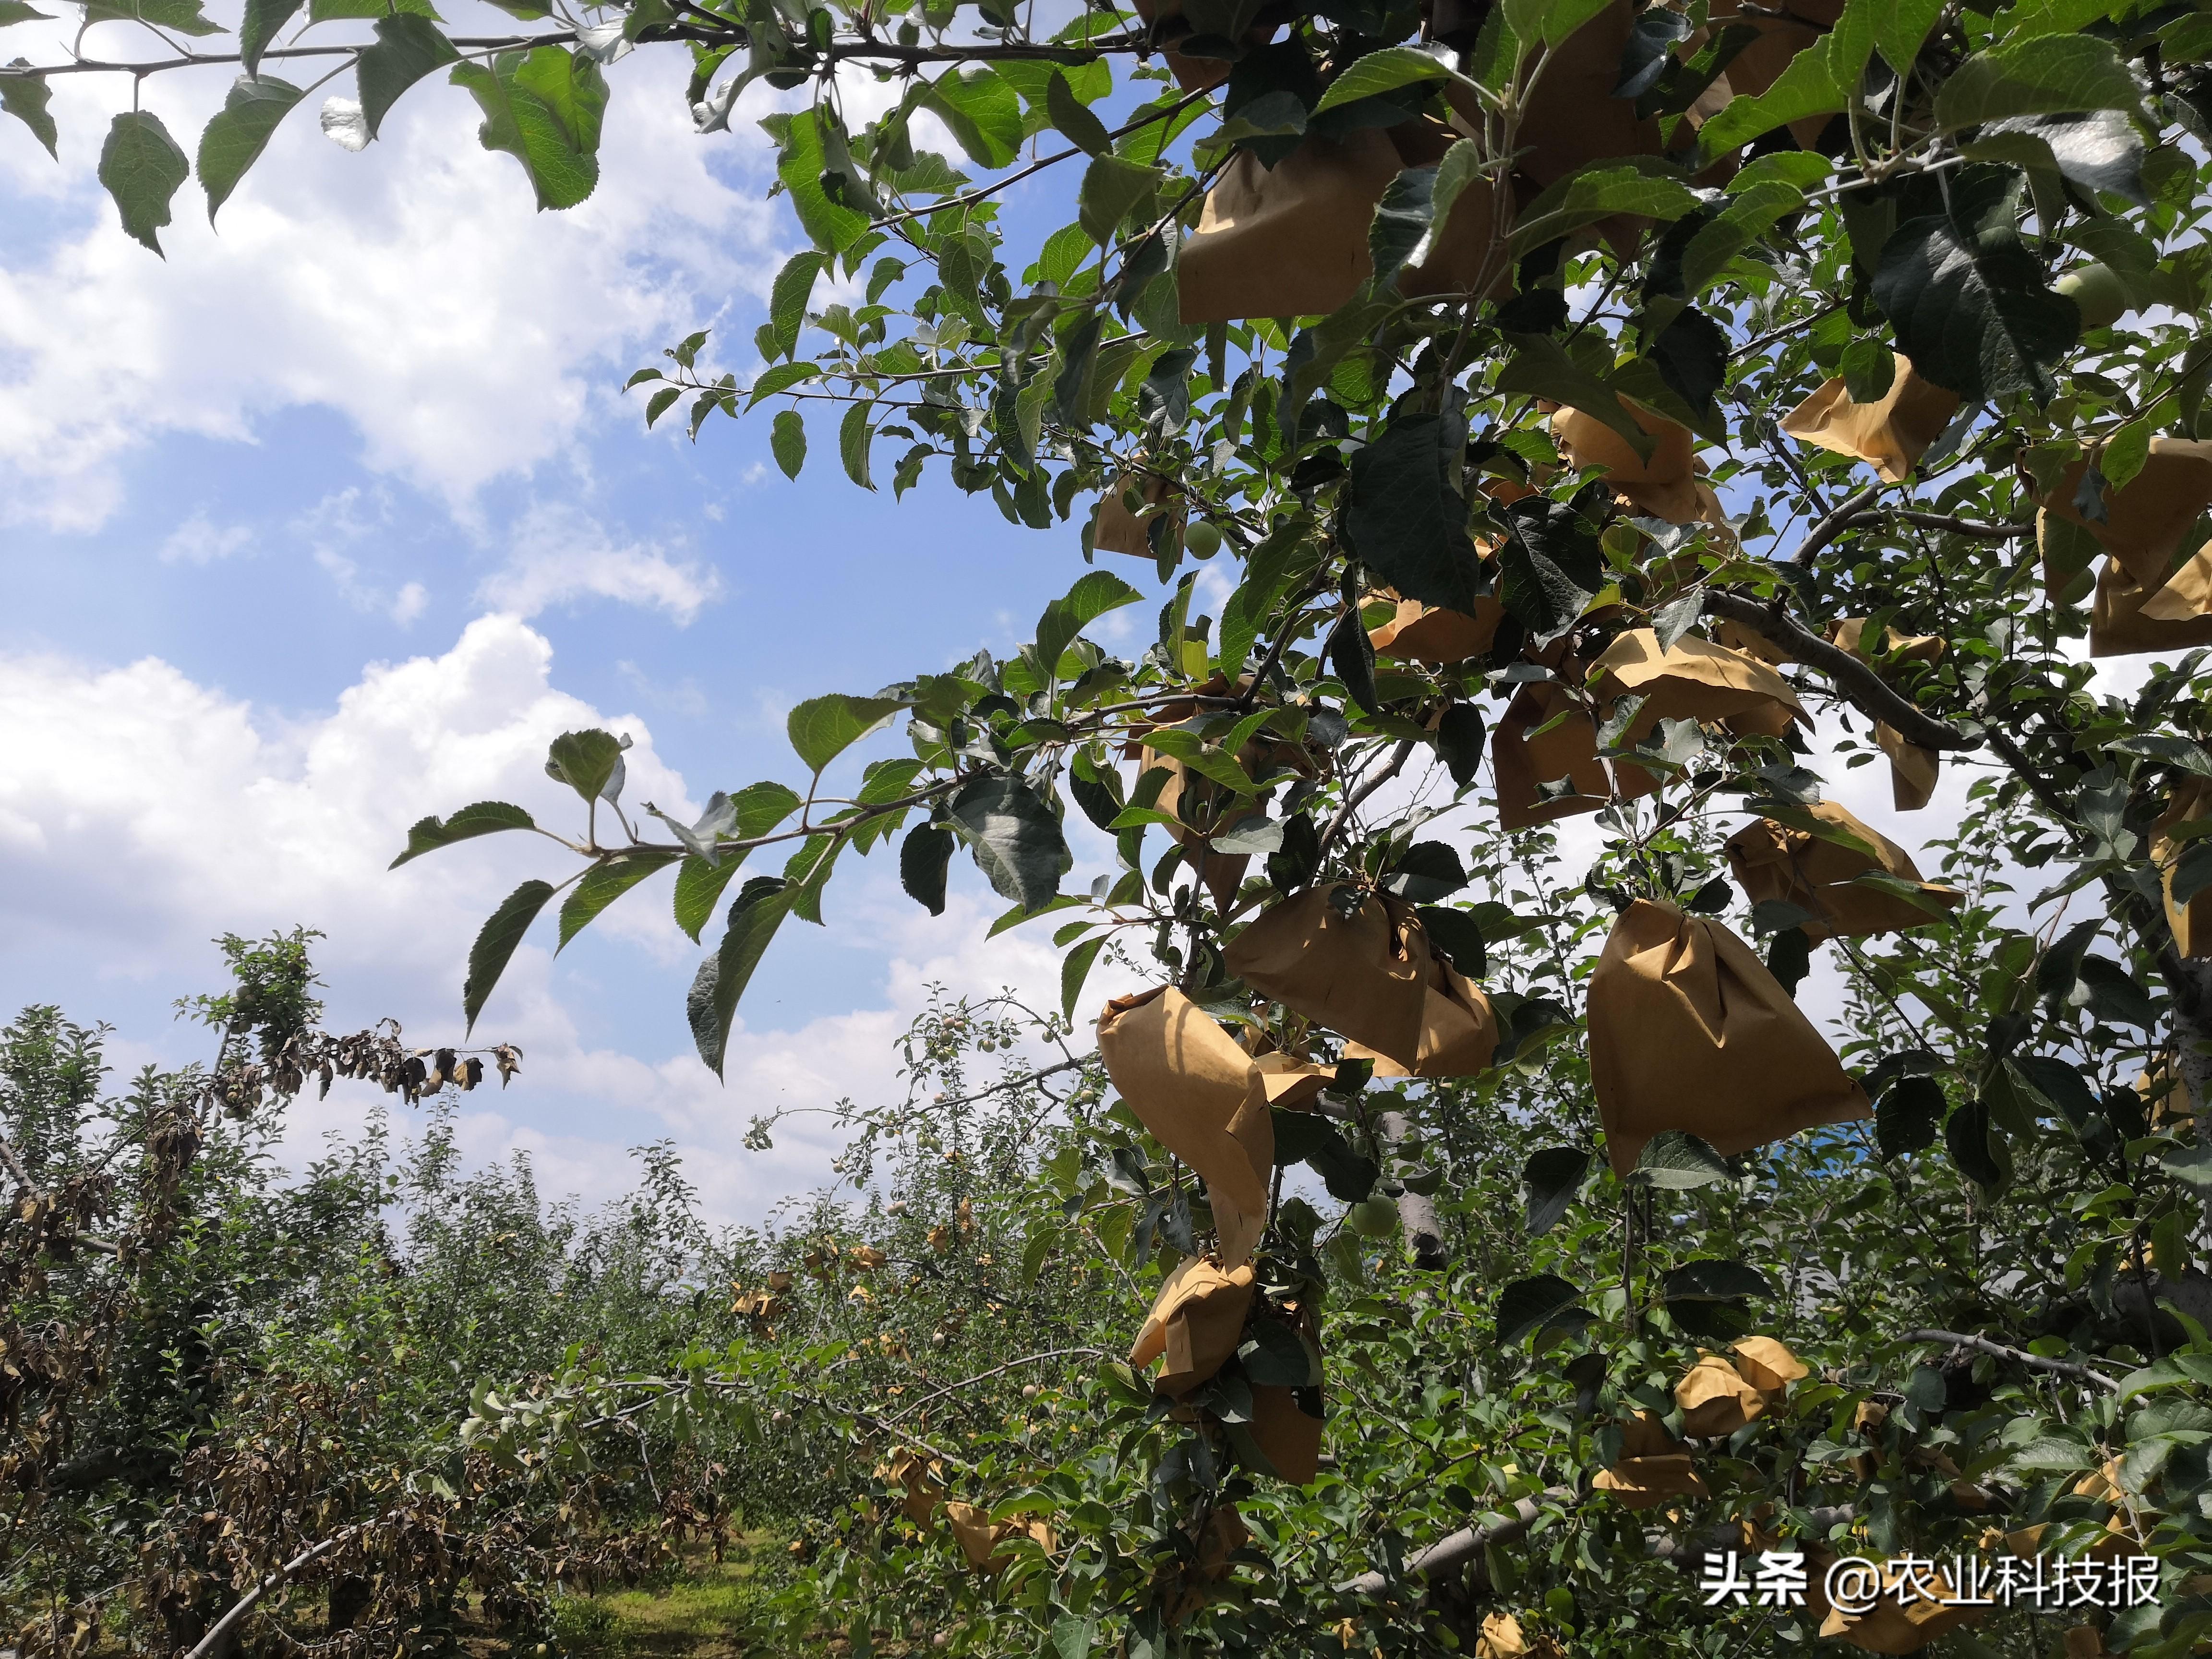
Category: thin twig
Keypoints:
(2018, 1356)
(1366, 786)
(997, 1371)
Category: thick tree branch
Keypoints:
(1856, 680)
(1416, 1214)
(2017, 1355)
(1456, 1549)
(244, 1604)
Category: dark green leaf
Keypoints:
(1789, 957)
(1407, 523)
(484, 818)
(1111, 186)
(1550, 568)
(234, 139)
(142, 167)
(1074, 970)
(1426, 870)
(1073, 118)
(1352, 658)
(1529, 1305)
(1310, 1139)
(1909, 1116)
(1457, 937)
(407, 47)
(787, 441)
(1461, 737)
(494, 946)
(1275, 1356)
(2115, 996)
(585, 761)
(1712, 1279)
(2054, 1086)
(925, 857)
(603, 883)
(1676, 1161)
(1692, 355)
(1015, 837)
(1384, 71)
(545, 107)
(699, 887)
(790, 295)
(177, 16)
(722, 978)
(1645, 185)
(1400, 228)
(822, 728)
(1091, 597)
(2048, 74)
(1549, 1182)
(26, 98)
(1968, 1137)
(856, 443)
(983, 112)
(260, 26)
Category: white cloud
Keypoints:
(198, 540)
(559, 556)
(411, 289)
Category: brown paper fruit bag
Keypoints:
(1196, 1321)
(1695, 679)
(1688, 1030)
(2148, 517)
(1121, 530)
(1663, 486)
(1769, 1366)
(1736, 637)
(1891, 433)
(1913, 771)
(1849, 633)
(1572, 118)
(923, 1490)
(1290, 1083)
(1223, 872)
(2191, 923)
(2129, 619)
(1654, 1467)
(1754, 69)
(1194, 1086)
(1773, 861)
(1422, 633)
(1363, 976)
(1527, 749)
(1892, 1626)
(1459, 1031)
(1715, 1399)
(1502, 1637)
(1285, 1435)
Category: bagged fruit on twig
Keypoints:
(2146, 518)
(1431, 633)
(1543, 736)
(1891, 433)
(1688, 1030)
(1773, 861)
(1196, 1321)
(2192, 922)
(1193, 1086)
(1913, 770)
(1459, 1031)
(1288, 1436)
(1354, 961)
(1715, 1399)
(1695, 679)
(1290, 1083)
(1120, 529)
(1653, 1467)
(1768, 1366)
(1665, 486)
(1903, 1619)
(918, 1477)
(2129, 619)
(1188, 792)
(1849, 633)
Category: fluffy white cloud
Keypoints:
(198, 540)
(559, 555)
(411, 288)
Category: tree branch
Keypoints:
(1856, 680)
(1456, 1548)
(244, 1604)
(1366, 786)
(2017, 1355)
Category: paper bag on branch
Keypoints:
(1121, 530)
(1849, 633)
(1290, 1083)
(1696, 679)
(1773, 861)
(1290, 241)
(1715, 1398)
(1913, 771)
(1194, 1088)
(1901, 1621)
(1286, 1436)
(1666, 486)
(1191, 73)
(1572, 117)
(2193, 923)
(1768, 1366)
(1653, 1468)
(1892, 432)
(2129, 619)
(1364, 976)
(1502, 1637)
(918, 1477)
(1688, 1030)
(1196, 1321)
(1224, 872)
(2146, 518)
(1423, 633)
(1524, 753)
(1736, 637)
(1224, 1534)
(1459, 1031)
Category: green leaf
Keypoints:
(1091, 597)
(1111, 187)
(699, 887)
(2048, 75)
(494, 946)
(1549, 1182)
(545, 108)
(983, 112)
(177, 16)
(1407, 522)
(1814, 83)
(326, 11)
(1527, 1305)
(18, 11)
(1384, 71)
(924, 859)
(585, 761)
(1647, 185)
(1712, 1278)
(786, 441)
(1910, 1116)
(781, 378)
(793, 292)
(260, 26)
(407, 48)
(1274, 1355)
(1073, 118)
(722, 978)
(603, 883)
(1457, 937)
(236, 136)
(1550, 568)
(799, 167)
(26, 98)
(1676, 1161)
(142, 167)
(1015, 837)
(1310, 1139)
(1074, 970)
(1400, 231)
(1426, 871)
(486, 818)
(1967, 300)
(856, 443)
(822, 728)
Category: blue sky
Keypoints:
(335, 517)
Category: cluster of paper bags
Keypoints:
(1716, 1396)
